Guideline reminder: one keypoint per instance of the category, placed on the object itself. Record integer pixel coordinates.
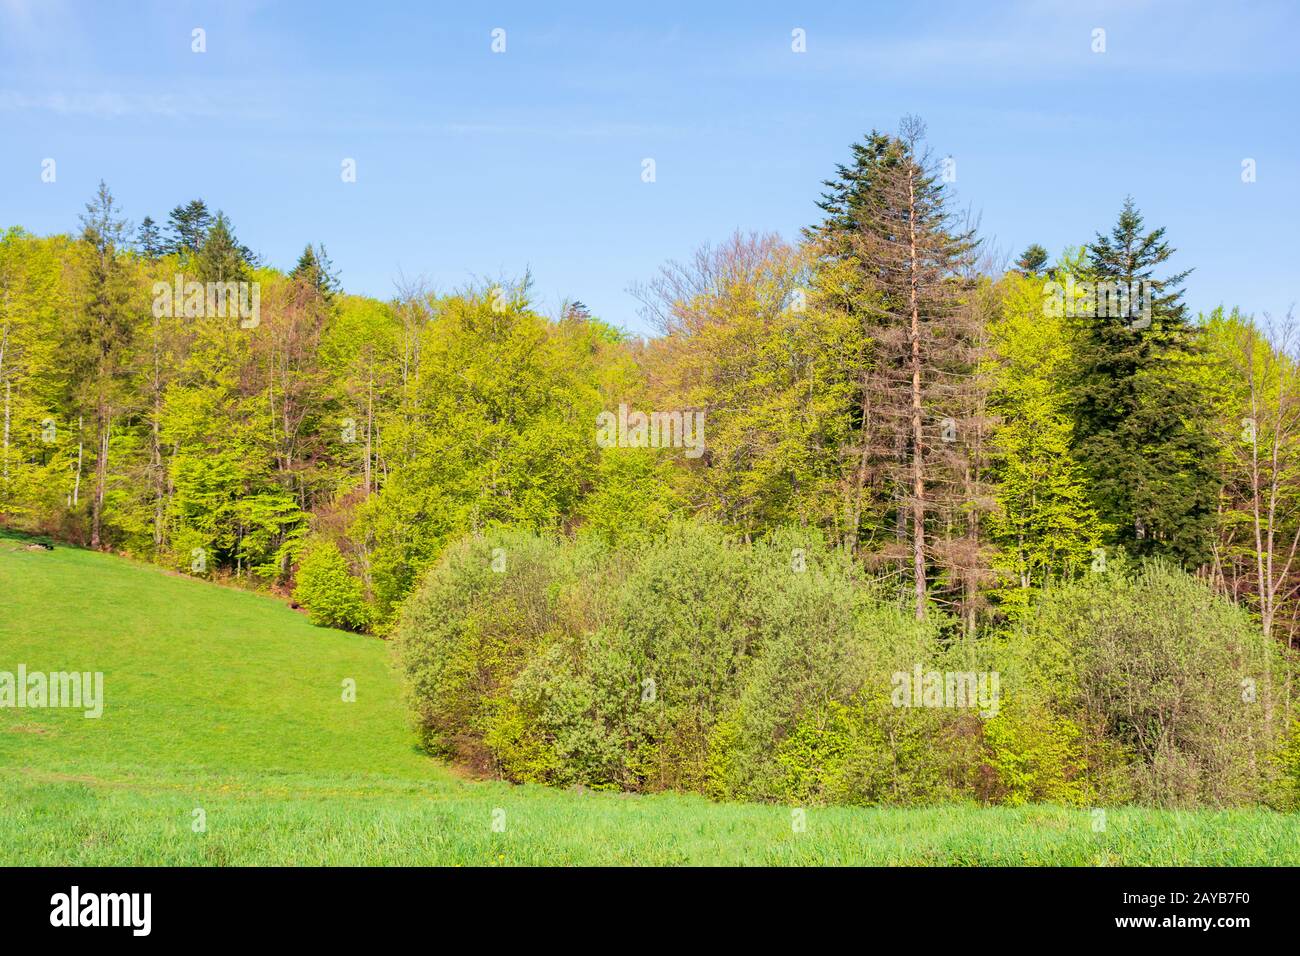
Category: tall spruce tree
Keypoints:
(189, 225)
(1032, 261)
(149, 240)
(315, 269)
(1142, 429)
(221, 258)
(916, 459)
(851, 189)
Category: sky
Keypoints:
(476, 165)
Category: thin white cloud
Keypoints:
(114, 105)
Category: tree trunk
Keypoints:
(76, 484)
(101, 478)
(370, 424)
(918, 469)
(160, 483)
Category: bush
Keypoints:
(488, 607)
(1285, 793)
(326, 588)
(681, 663)
(763, 671)
(632, 704)
(1036, 756)
(869, 752)
(1177, 678)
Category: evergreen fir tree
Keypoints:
(577, 309)
(149, 240)
(851, 190)
(189, 225)
(1142, 430)
(315, 269)
(918, 453)
(221, 258)
(1032, 261)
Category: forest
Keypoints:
(696, 560)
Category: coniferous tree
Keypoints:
(887, 215)
(1142, 432)
(189, 226)
(221, 257)
(149, 240)
(577, 309)
(315, 269)
(851, 189)
(1032, 261)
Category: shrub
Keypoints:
(813, 719)
(822, 638)
(764, 671)
(1177, 677)
(1285, 793)
(632, 704)
(486, 609)
(326, 588)
(1036, 756)
(869, 752)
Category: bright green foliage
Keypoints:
(489, 606)
(612, 674)
(1036, 756)
(765, 672)
(40, 448)
(1044, 527)
(1175, 677)
(149, 423)
(1253, 382)
(1288, 770)
(632, 495)
(232, 702)
(824, 637)
(768, 354)
(498, 426)
(220, 504)
(326, 588)
(573, 623)
(868, 753)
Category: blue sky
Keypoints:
(472, 164)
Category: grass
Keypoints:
(231, 704)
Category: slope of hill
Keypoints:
(226, 738)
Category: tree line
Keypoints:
(971, 435)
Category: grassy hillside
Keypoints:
(231, 703)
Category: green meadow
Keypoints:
(226, 739)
